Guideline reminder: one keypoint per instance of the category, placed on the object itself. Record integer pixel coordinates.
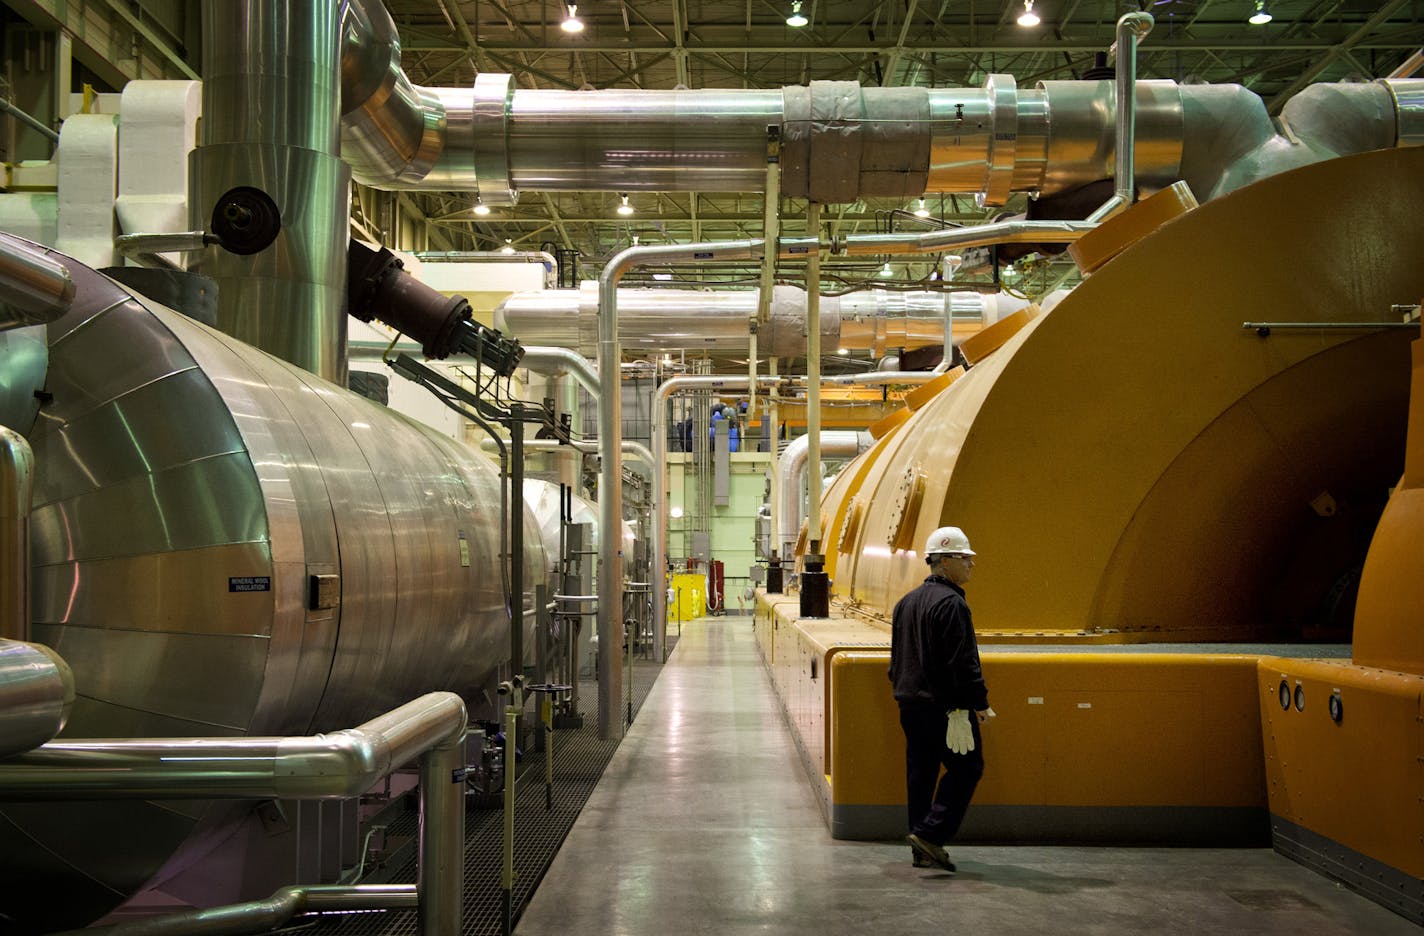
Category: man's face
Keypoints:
(956, 568)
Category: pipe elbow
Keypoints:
(332, 766)
(1137, 21)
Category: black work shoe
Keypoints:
(934, 855)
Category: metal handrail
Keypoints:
(332, 766)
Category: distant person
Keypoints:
(938, 684)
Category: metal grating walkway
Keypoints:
(579, 760)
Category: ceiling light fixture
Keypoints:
(625, 208)
(922, 211)
(508, 247)
(796, 20)
(480, 207)
(885, 270)
(1028, 17)
(571, 23)
(1262, 16)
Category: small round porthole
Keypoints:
(1337, 707)
(1285, 696)
(1299, 697)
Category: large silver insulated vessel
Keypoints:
(224, 544)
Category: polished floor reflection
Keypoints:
(705, 822)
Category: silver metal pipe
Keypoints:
(1131, 28)
(637, 450)
(441, 868)
(257, 133)
(34, 289)
(1004, 232)
(880, 379)
(664, 393)
(17, 482)
(549, 261)
(610, 434)
(547, 360)
(1409, 66)
(391, 132)
(771, 231)
(36, 694)
(263, 916)
(792, 468)
(665, 321)
(813, 376)
(29, 120)
(147, 249)
(329, 766)
(990, 141)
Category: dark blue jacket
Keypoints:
(934, 657)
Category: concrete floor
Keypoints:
(705, 822)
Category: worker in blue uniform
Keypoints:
(939, 686)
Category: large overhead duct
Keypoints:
(670, 320)
(224, 543)
(839, 141)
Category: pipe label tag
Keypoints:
(464, 551)
(249, 583)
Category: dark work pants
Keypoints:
(935, 813)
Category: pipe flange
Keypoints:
(489, 118)
(1408, 95)
(1003, 95)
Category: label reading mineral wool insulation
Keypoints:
(249, 583)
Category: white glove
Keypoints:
(985, 715)
(959, 736)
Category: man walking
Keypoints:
(934, 669)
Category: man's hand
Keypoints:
(984, 715)
(959, 736)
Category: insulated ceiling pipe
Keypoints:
(669, 320)
(792, 469)
(902, 142)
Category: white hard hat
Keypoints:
(948, 540)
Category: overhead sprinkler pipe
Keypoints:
(1131, 29)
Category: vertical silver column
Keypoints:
(813, 384)
(17, 469)
(271, 121)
